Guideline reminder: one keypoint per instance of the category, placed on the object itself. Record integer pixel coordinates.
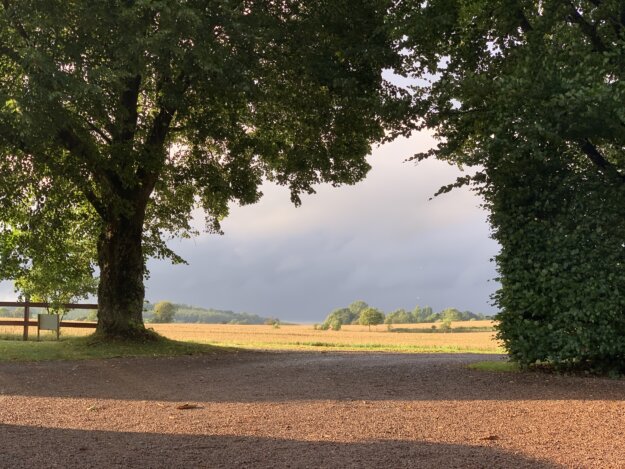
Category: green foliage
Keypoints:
(336, 324)
(531, 95)
(49, 247)
(425, 314)
(119, 119)
(400, 316)
(451, 314)
(357, 307)
(371, 317)
(342, 316)
(563, 300)
(164, 312)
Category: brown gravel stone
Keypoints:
(300, 410)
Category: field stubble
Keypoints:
(305, 337)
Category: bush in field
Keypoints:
(164, 312)
(446, 325)
(336, 324)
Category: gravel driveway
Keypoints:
(288, 409)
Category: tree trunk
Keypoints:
(121, 291)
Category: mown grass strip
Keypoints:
(337, 346)
(437, 330)
(500, 367)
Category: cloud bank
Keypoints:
(382, 241)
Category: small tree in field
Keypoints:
(371, 317)
(164, 312)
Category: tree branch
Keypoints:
(607, 168)
(75, 145)
(128, 102)
(589, 29)
(8, 52)
(99, 131)
(157, 137)
(97, 205)
(524, 23)
(91, 197)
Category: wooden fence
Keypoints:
(26, 321)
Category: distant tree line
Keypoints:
(182, 313)
(360, 312)
(161, 312)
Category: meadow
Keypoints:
(415, 338)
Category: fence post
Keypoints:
(26, 315)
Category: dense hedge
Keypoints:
(562, 264)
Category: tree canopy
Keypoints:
(530, 94)
(135, 113)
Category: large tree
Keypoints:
(530, 94)
(137, 112)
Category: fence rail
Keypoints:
(34, 304)
(26, 322)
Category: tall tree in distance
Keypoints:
(531, 95)
(137, 112)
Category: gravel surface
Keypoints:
(314, 410)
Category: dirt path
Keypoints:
(312, 410)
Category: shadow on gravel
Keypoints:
(49, 447)
(293, 376)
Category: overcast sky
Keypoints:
(382, 241)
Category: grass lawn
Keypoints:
(81, 348)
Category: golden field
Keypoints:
(305, 337)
